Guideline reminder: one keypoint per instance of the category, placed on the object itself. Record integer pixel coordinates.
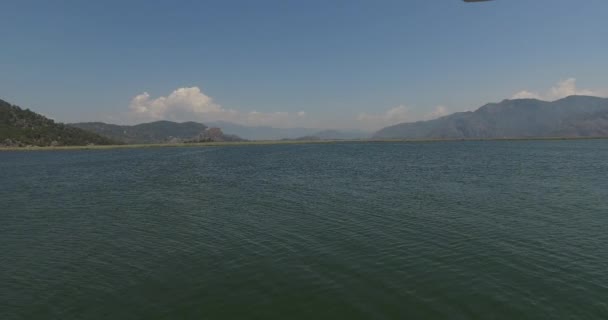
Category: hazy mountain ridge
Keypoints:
(152, 132)
(22, 127)
(273, 133)
(334, 135)
(262, 132)
(574, 116)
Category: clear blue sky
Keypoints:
(339, 62)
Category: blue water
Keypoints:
(458, 230)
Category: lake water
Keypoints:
(458, 230)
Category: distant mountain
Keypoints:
(19, 128)
(262, 132)
(214, 135)
(574, 116)
(334, 135)
(153, 132)
(271, 133)
(157, 132)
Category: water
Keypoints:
(459, 230)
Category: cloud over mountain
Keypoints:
(561, 90)
(191, 104)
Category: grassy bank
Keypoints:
(169, 145)
(274, 142)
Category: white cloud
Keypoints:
(562, 89)
(438, 112)
(183, 100)
(389, 117)
(191, 104)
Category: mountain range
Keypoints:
(574, 116)
(157, 132)
(153, 132)
(174, 132)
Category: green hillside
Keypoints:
(22, 127)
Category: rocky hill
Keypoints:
(262, 132)
(215, 135)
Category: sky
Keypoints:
(286, 63)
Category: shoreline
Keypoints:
(278, 142)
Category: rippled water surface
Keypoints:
(459, 230)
